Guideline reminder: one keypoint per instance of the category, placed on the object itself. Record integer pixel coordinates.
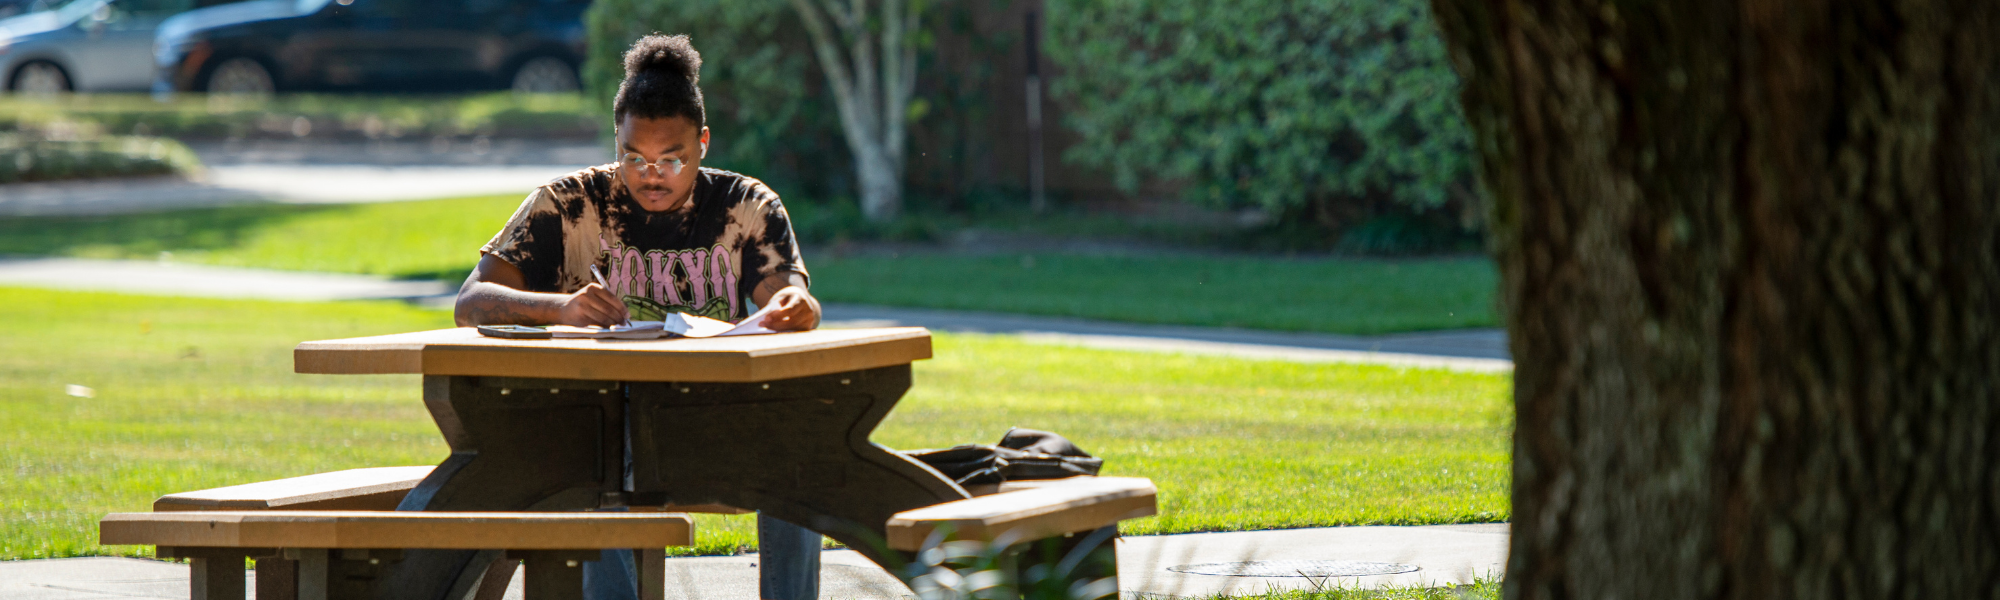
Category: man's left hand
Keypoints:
(793, 309)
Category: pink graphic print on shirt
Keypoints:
(696, 281)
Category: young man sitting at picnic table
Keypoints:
(669, 235)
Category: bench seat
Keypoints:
(335, 553)
(378, 488)
(1051, 507)
(353, 511)
(1029, 510)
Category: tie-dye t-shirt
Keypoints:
(702, 258)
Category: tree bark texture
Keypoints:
(1751, 266)
(871, 64)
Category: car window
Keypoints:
(400, 9)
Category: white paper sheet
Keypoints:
(703, 327)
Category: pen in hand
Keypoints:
(599, 276)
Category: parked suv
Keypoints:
(264, 46)
(83, 45)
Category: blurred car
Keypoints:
(84, 45)
(265, 46)
(10, 8)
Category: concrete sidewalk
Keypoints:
(164, 278)
(1440, 556)
(319, 171)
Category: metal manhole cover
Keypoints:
(1295, 568)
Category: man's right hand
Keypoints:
(492, 296)
(592, 305)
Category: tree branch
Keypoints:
(842, 18)
(827, 50)
(867, 75)
(898, 75)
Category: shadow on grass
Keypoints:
(145, 235)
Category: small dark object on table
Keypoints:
(515, 332)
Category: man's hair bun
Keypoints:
(671, 54)
(662, 77)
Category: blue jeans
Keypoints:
(787, 566)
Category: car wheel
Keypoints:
(41, 78)
(544, 75)
(240, 77)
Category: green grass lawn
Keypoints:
(1355, 296)
(441, 239)
(401, 239)
(192, 394)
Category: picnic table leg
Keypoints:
(214, 573)
(215, 577)
(553, 574)
(277, 578)
(516, 445)
(652, 565)
(796, 449)
(336, 574)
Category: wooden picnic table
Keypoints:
(775, 423)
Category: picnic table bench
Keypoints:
(775, 423)
(343, 554)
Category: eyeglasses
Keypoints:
(665, 167)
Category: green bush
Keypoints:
(768, 115)
(319, 116)
(25, 158)
(1330, 110)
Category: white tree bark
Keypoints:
(872, 94)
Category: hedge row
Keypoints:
(1311, 108)
(26, 159)
(316, 116)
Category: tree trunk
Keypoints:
(872, 67)
(1751, 265)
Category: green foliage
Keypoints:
(1033, 570)
(1480, 589)
(767, 115)
(1392, 234)
(319, 116)
(27, 158)
(1291, 105)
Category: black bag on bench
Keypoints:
(1022, 454)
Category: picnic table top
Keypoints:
(462, 351)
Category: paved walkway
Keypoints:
(319, 171)
(1440, 555)
(163, 278)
